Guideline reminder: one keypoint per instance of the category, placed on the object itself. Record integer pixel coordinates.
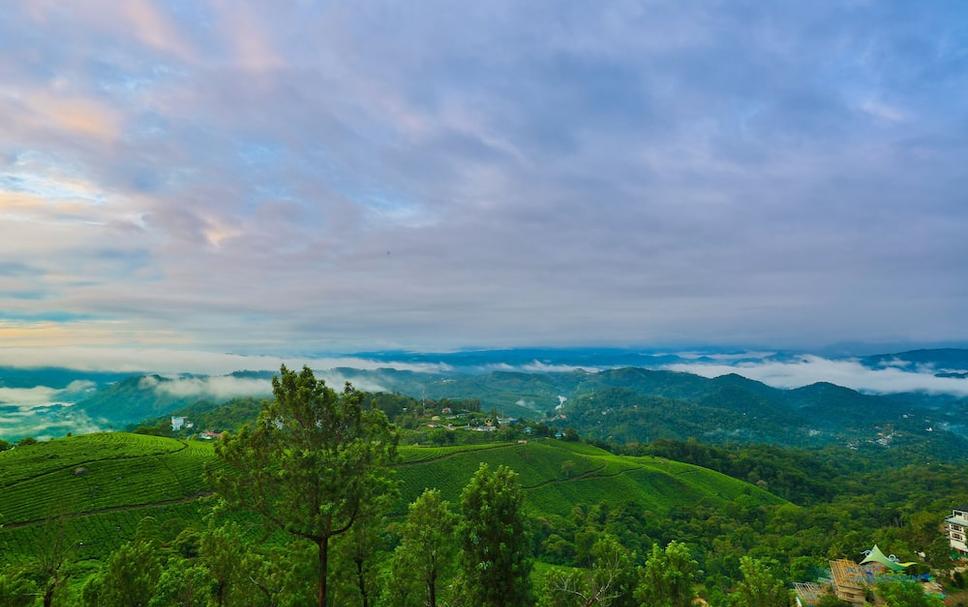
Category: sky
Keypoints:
(280, 177)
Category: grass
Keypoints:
(128, 477)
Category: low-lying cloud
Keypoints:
(336, 381)
(216, 387)
(39, 396)
(168, 361)
(536, 366)
(228, 386)
(809, 369)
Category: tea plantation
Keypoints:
(98, 488)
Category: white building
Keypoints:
(957, 526)
(177, 423)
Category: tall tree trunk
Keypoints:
(432, 590)
(361, 581)
(323, 570)
(49, 595)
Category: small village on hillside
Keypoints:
(854, 583)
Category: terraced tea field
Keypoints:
(557, 475)
(99, 487)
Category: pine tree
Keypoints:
(309, 464)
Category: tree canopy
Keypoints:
(310, 462)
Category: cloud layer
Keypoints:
(850, 373)
(220, 387)
(42, 396)
(256, 177)
(227, 386)
(174, 361)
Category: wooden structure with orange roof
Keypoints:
(850, 581)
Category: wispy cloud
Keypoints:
(538, 366)
(169, 361)
(807, 370)
(227, 386)
(39, 396)
(217, 387)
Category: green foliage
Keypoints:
(4, 445)
(798, 475)
(938, 552)
(49, 564)
(183, 584)
(759, 588)
(613, 572)
(310, 463)
(222, 550)
(422, 562)
(958, 579)
(16, 589)
(831, 600)
(904, 593)
(128, 578)
(565, 588)
(609, 583)
(494, 546)
(358, 552)
(668, 577)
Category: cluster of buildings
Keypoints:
(850, 581)
(178, 423)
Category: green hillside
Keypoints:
(100, 486)
(133, 399)
(621, 405)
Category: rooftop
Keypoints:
(809, 592)
(847, 573)
(875, 555)
(958, 520)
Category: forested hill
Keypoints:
(636, 405)
(617, 405)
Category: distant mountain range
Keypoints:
(531, 358)
(600, 392)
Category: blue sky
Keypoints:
(335, 176)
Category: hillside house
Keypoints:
(177, 423)
(957, 527)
